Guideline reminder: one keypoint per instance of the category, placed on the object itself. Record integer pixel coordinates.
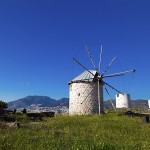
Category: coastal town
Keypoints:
(37, 108)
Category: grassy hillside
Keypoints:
(105, 132)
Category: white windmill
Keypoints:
(149, 104)
(86, 90)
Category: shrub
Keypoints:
(3, 105)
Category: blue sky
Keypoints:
(39, 38)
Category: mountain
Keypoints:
(64, 102)
(45, 101)
(139, 103)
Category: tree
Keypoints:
(3, 105)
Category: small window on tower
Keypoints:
(78, 94)
(70, 87)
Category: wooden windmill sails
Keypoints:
(97, 77)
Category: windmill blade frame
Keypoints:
(109, 97)
(83, 66)
(100, 60)
(89, 54)
(112, 87)
(108, 66)
(118, 74)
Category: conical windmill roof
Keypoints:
(84, 77)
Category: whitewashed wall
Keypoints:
(149, 104)
(123, 101)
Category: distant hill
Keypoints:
(30, 100)
(46, 101)
(139, 103)
(63, 102)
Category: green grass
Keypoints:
(104, 132)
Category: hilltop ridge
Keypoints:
(45, 101)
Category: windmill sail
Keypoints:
(86, 90)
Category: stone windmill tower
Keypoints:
(86, 90)
(123, 101)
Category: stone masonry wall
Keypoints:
(84, 99)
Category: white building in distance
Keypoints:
(149, 104)
(123, 101)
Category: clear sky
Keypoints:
(39, 38)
